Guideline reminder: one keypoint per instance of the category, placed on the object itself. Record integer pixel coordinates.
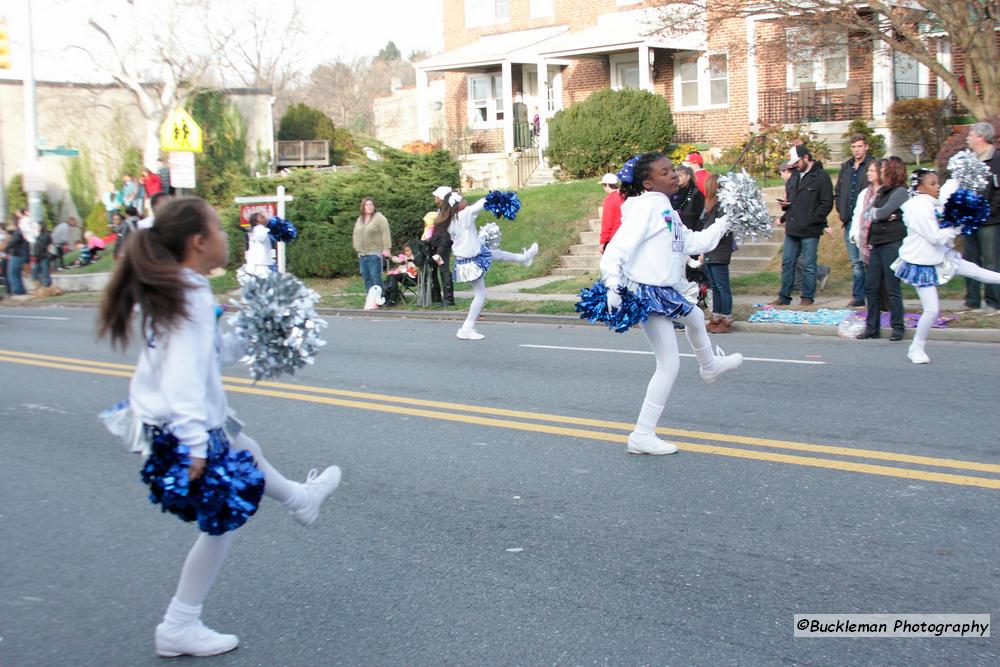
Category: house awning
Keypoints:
(521, 46)
(621, 31)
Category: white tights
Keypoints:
(660, 332)
(479, 287)
(209, 551)
(929, 298)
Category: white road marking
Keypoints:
(32, 317)
(684, 354)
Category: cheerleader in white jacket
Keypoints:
(647, 256)
(928, 258)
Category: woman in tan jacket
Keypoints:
(372, 242)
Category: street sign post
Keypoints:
(181, 165)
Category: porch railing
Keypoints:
(525, 164)
(464, 141)
(809, 105)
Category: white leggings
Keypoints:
(479, 287)
(209, 551)
(929, 298)
(660, 332)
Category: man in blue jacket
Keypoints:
(851, 181)
(810, 200)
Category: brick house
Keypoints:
(506, 60)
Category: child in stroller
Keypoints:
(402, 274)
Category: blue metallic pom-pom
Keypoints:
(966, 208)
(593, 307)
(502, 204)
(281, 230)
(222, 499)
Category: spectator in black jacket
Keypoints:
(810, 200)
(884, 238)
(983, 247)
(850, 182)
(442, 285)
(18, 253)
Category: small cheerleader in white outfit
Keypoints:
(647, 257)
(258, 256)
(928, 258)
(200, 464)
(472, 258)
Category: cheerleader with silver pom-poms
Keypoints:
(643, 272)
(199, 465)
(472, 248)
(928, 258)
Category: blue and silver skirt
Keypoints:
(638, 302)
(918, 275)
(222, 499)
(468, 269)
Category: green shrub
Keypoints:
(876, 142)
(97, 220)
(680, 151)
(597, 135)
(326, 204)
(775, 147)
(224, 159)
(82, 182)
(303, 123)
(17, 199)
(923, 120)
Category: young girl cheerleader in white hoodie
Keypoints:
(472, 258)
(195, 442)
(927, 257)
(647, 256)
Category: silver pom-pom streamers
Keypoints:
(490, 235)
(743, 203)
(277, 317)
(970, 172)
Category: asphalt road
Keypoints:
(490, 516)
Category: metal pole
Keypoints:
(30, 120)
(281, 214)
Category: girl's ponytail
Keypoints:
(634, 172)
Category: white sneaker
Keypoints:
(917, 356)
(469, 334)
(647, 443)
(191, 639)
(529, 254)
(720, 365)
(318, 487)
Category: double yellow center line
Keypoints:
(759, 449)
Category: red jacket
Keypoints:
(611, 216)
(151, 183)
(699, 179)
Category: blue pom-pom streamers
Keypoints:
(593, 307)
(222, 499)
(502, 204)
(967, 209)
(281, 230)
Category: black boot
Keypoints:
(448, 288)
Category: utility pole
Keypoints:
(32, 168)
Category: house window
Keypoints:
(701, 80)
(812, 63)
(624, 72)
(541, 9)
(486, 12)
(485, 100)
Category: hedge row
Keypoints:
(326, 205)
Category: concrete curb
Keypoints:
(961, 335)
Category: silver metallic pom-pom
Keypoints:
(277, 317)
(490, 235)
(970, 172)
(743, 203)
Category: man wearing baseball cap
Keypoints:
(810, 200)
(697, 163)
(611, 210)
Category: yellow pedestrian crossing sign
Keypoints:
(179, 133)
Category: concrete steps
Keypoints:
(544, 174)
(584, 257)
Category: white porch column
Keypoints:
(753, 108)
(543, 106)
(943, 57)
(508, 107)
(883, 92)
(423, 120)
(645, 80)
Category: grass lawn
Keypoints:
(104, 264)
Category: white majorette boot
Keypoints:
(318, 487)
(720, 364)
(469, 334)
(529, 254)
(643, 439)
(917, 355)
(191, 639)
